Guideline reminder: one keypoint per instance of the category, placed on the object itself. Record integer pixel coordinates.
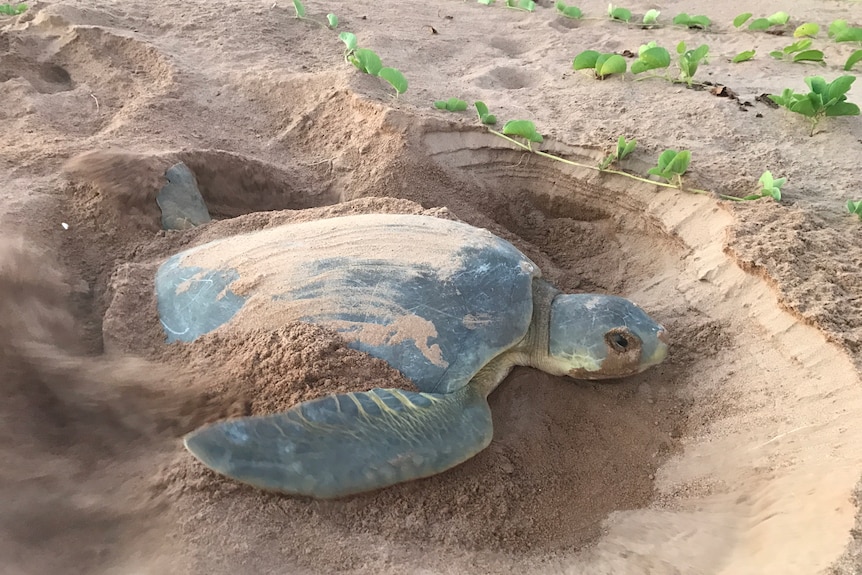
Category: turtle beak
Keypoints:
(660, 349)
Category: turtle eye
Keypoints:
(621, 340)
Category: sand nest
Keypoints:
(738, 455)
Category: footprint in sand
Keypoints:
(60, 78)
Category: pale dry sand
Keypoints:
(739, 455)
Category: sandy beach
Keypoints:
(739, 454)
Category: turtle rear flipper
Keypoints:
(348, 443)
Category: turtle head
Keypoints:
(600, 336)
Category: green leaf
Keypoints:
(397, 80)
(759, 24)
(300, 9)
(523, 128)
(651, 59)
(456, 105)
(835, 27)
(586, 59)
(849, 35)
(784, 99)
(644, 47)
(839, 86)
(639, 66)
(349, 40)
(680, 48)
(665, 158)
(855, 207)
(700, 22)
(777, 54)
(607, 64)
(627, 149)
(817, 84)
(692, 21)
(526, 5)
(775, 192)
(766, 179)
(12, 9)
(741, 19)
(609, 159)
(807, 29)
(367, 61)
(797, 46)
(853, 59)
(481, 109)
(489, 119)
(333, 20)
(656, 57)
(651, 16)
(743, 56)
(450, 105)
(700, 53)
(779, 18)
(689, 61)
(656, 171)
(621, 14)
(680, 162)
(809, 56)
(805, 107)
(568, 11)
(842, 109)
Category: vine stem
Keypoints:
(528, 148)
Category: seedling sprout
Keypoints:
(743, 56)
(824, 100)
(799, 52)
(624, 148)
(777, 19)
(568, 11)
(525, 5)
(699, 22)
(807, 30)
(12, 9)
(451, 105)
(299, 8)
(484, 115)
(769, 187)
(602, 64)
(671, 166)
(651, 57)
(841, 32)
(651, 17)
(619, 14)
(690, 60)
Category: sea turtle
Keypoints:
(451, 306)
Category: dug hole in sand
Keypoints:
(737, 455)
(711, 463)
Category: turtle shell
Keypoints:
(434, 298)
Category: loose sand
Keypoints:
(738, 455)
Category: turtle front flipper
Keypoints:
(348, 443)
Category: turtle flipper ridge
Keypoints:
(348, 443)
